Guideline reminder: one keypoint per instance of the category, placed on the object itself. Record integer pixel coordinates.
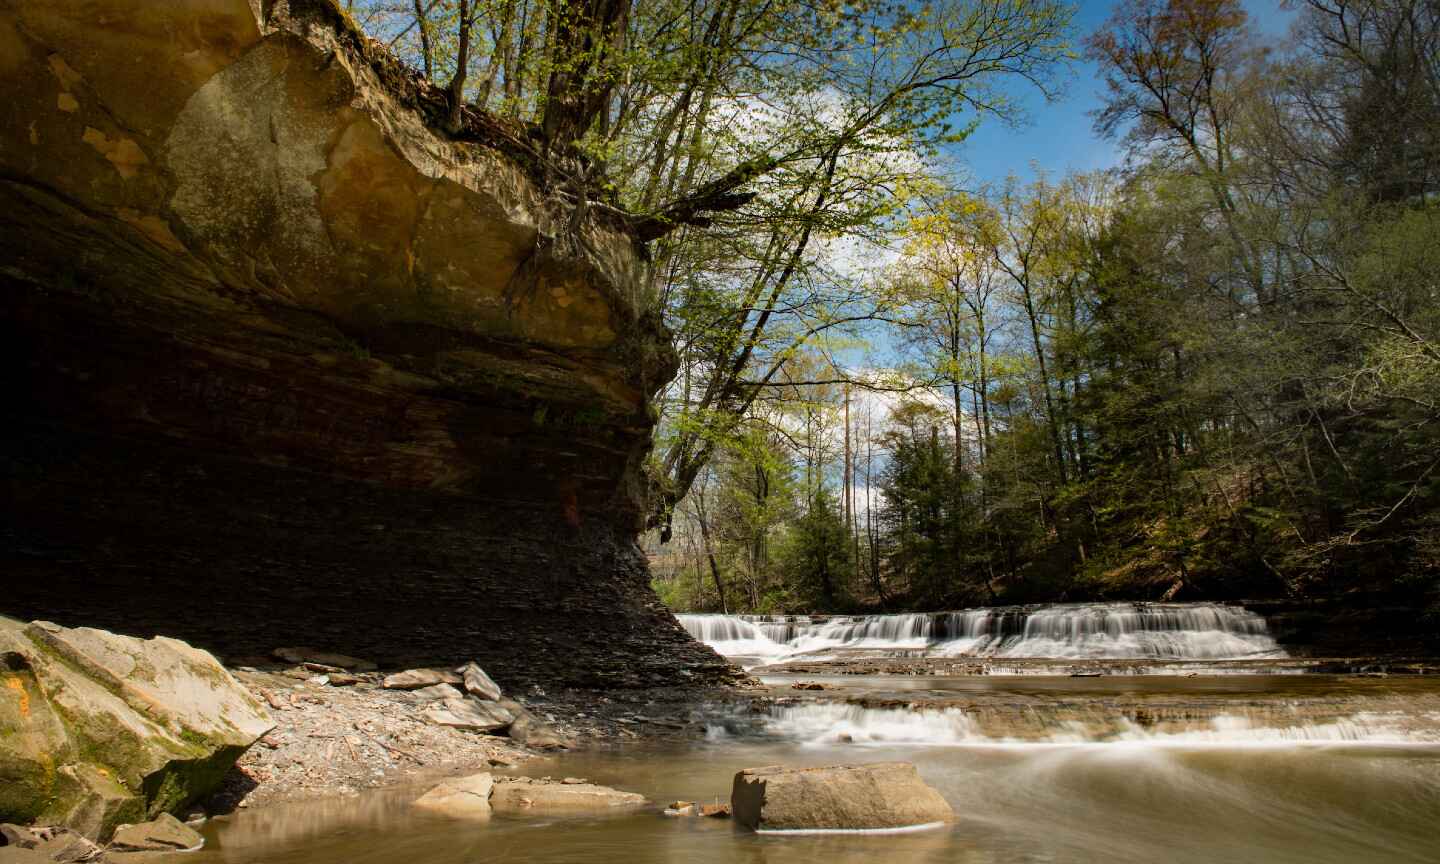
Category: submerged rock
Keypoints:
(521, 795)
(105, 729)
(459, 797)
(840, 797)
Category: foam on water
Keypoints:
(828, 723)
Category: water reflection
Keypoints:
(1220, 799)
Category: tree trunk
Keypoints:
(427, 55)
(456, 90)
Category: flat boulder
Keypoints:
(459, 797)
(111, 729)
(468, 713)
(522, 795)
(884, 795)
(414, 679)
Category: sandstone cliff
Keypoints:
(290, 365)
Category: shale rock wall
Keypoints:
(289, 366)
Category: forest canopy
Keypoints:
(1212, 372)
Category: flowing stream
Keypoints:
(1190, 769)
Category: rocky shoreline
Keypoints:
(106, 739)
(338, 740)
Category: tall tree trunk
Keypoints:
(587, 34)
(704, 520)
(427, 55)
(502, 50)
(456, 90)
(1052, 420)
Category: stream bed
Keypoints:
(1047, 729)
(1306, 770)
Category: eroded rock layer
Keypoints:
(289, 366)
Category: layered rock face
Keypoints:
(288, 366)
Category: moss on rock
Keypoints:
(98, 729)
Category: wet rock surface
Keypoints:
(459, 797)
(882, 795)
(163, 834)
(538, 797)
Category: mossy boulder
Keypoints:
(98, 729)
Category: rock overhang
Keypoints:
(276, 333)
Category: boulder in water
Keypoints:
(525, 796)
(884, 795)
(112, 729)
(165, 834)
(459, 797)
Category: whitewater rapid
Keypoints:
(828, 723)
(1091, 631)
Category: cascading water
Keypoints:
(1099, 631)
(823, 723)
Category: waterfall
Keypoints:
(1102, 631)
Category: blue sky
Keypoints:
(1058, 136)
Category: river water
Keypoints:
(1141, 768)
